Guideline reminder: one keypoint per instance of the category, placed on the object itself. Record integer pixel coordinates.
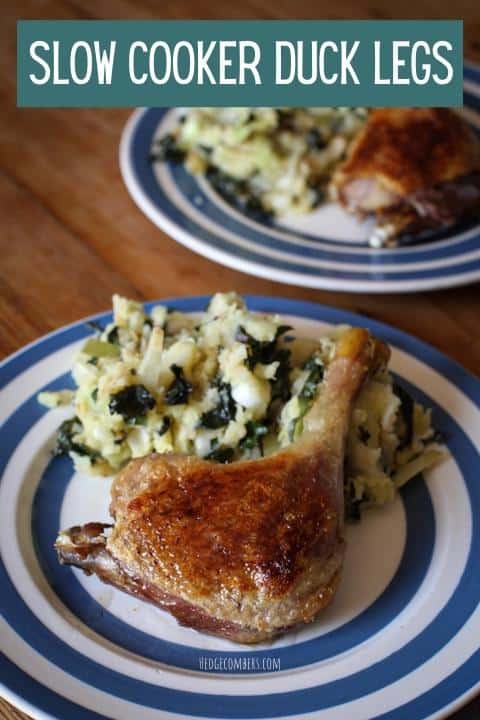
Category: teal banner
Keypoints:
(79, 63)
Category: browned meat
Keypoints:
(416, 169)
(245, 550)
(433, 209)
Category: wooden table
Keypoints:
(72, 236)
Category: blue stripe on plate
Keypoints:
(39, 697)
(442, 695)
(235, 221)
(11, 367)
(471, 71)
(446, 624)
(24, 687)
(193, 194)
(472, 101)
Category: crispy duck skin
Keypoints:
(417, 169)
(246, 550)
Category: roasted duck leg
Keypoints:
(416, 169)
(245, 550)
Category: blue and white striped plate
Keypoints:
(400, 641)
(325, 249)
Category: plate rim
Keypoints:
(451, 370)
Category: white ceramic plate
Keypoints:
(324, 249)
(400, 641)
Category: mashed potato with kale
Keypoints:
(266, 161)
(227, 385)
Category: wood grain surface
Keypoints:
(72, 235)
